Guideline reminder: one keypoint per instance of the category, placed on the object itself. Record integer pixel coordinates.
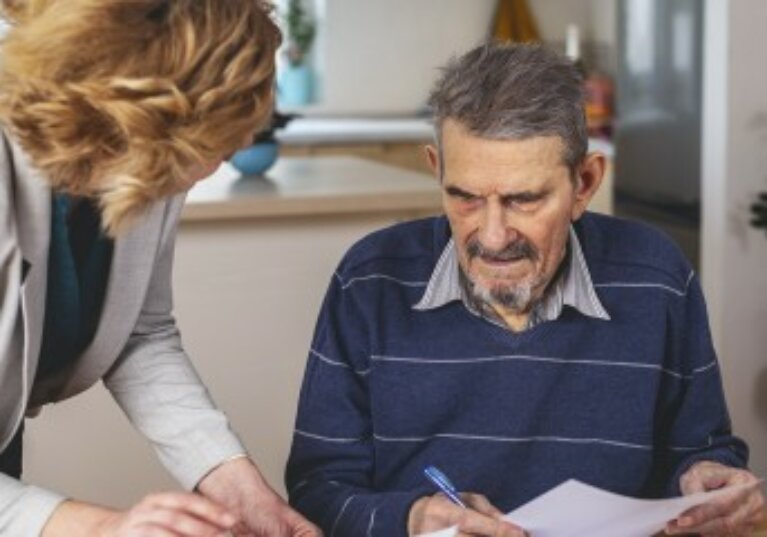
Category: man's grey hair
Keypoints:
(513, 92)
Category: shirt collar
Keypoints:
(573, 287)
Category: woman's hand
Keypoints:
(480, 518)
(171, 514)
(238, 485)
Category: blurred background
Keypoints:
(676, 98)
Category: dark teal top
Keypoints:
(79, 260)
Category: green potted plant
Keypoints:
(295, 82)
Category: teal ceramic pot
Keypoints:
(295, 86)
(255, 159)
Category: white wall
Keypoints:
(734, 256)
(381, 56)
(596, 18)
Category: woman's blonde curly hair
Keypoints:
(118, 99)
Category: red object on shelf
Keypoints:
(599, 92)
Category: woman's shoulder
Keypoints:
(14, 162)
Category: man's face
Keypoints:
(510, 204)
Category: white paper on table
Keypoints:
(576, 509)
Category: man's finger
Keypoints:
(705, 476)
(719, 518)
(722, 506)
(715, 526)
(474, 523)
(480, 503)
(749, 513)
(701, 513)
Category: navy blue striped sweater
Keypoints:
(626, 404)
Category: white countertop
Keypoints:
(308, 186)
(308, 131)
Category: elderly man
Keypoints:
(516, 343)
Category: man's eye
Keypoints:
(525, 203)
(461, 195)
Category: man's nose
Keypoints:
(495, 231)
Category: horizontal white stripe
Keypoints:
(334, 439)
(704, 368)
(335, 363)
(346, 284)
(328, 360)
(651, 284)
(513, 439)
(491, 438)
(558, 361)
(641, 285)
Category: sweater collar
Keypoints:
(574, 286)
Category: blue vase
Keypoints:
(295, 85)
(255, 159)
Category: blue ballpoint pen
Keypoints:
(444, 484)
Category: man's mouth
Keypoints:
(509, 256)
(501, 261)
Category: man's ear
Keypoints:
(588, 178)
(432, 157)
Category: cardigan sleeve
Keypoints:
(330, 470)
(697, 422)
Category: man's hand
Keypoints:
(731, 515)
(239, 486)
(433, 513)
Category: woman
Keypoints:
(110, 110)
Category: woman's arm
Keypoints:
(156, 385)
(171, 514)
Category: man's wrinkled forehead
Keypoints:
(455, 138)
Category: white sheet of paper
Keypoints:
(576, 509)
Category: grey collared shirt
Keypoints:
(573, 287)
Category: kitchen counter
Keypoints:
(317, 131)
(312, 186)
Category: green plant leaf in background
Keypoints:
(300, 32)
